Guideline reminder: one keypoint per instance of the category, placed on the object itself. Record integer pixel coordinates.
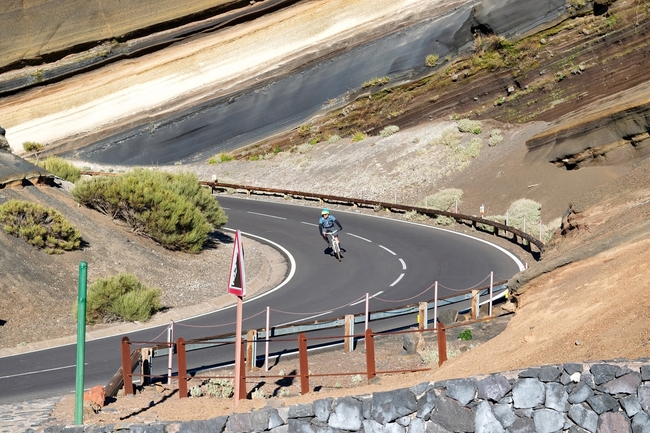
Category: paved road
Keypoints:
(384, 257)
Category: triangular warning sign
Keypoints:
(237, 279)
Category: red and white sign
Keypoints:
(237, 279)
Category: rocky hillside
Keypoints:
(570, 101)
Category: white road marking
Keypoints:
(309, 224)
(39, 371)
(381, 246)
(397, 280)
(268, 216)
(403, 264)
(305, 318)
(359, 237)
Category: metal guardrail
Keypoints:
(475, 221)
(293, 329)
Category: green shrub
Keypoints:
(333, 138)
(39, 226)
(62, 168)
(376, 81)
(221, 157)
(450, 137)
(465, 335)
(172, 209)
(254, 158)
(389, 130)
(444, 199)
(32, 146)
(496, 137)
(122, 297)
(473, 126)
(358, 136)
(431, 60)
(220, 388)
(471, 150)
(525, 209)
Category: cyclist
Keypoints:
(326, 224)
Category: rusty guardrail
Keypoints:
(385, 205)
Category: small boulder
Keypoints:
(95, 397)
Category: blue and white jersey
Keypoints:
(327, 224)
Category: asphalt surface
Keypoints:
(389, 259)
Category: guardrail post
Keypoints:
(304, 364)
(251, 349)
(348, 342)
(475, 303)
(126, 367)
(182, 368)
(422, 316)
(442, 343)
(370, 354)
(145, 367)
(170, 355)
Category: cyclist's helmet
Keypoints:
(325, 212)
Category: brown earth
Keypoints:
(585, 300)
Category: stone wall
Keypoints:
(600, 397)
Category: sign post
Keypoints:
(81, 344)
(237, 287)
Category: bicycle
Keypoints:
(334, 243)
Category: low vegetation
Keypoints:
(172, 209)
(32, 146)
(122, 297)
(61, 168)
(39, 226)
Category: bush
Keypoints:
(39, 226)
(376, 81)
(465, 335)
(496, 137)
(221, 157)
(32, 146)
(473, 126)
(389, 130)
(431, 60)
(172, 209)
(450, 137)
(333, 138)
(444, 199)
(122, 297)
(358, 136)
(528, 209)
(61, 168)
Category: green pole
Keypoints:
(81, 345)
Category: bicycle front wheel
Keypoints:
(337, 250)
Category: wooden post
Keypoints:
(145, 367)
(348, 342)
(422, 316)
(304, 364)
(442, 343)
(126, 367)
(475, 303)
(182, 368)
(370, 354)
(251, 349)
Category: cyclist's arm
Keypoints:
(338, 224)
